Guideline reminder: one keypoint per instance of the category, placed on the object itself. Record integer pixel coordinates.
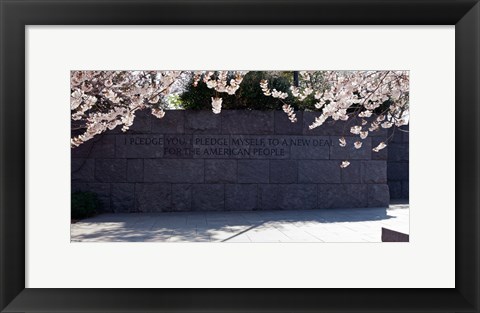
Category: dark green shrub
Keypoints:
(248, 96)
(84, 204)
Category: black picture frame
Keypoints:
(16, 14)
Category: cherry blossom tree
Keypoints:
(365, 101)
(102, 100)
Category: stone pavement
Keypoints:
(335, 225)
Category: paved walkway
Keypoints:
(336, 225)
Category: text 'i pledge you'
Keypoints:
(226, 146)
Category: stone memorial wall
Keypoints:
(398, 164)
(236, 160)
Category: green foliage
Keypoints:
(249, 95)
(84, 204)
(174, 102)
(197, 98)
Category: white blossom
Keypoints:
(216, 105)
(387, 124)
(366, 113)
(211, 84)
(76, 99)
(289, 110)
(319, 104)
(295, 91)
(154, 100)
(355, 130)
(379, 147)
(363, 92)
(373, 126)
(279, 94)
(159, 113)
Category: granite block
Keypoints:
(397, 171)
(378, 195)
(405, 189)
(331, 196)
(397, 136)
(283, 125)
(111, 170)
(172, 123)
(395, 188)
(247, 122)
(174, 170)
(406, 135)
(181, 197)
(283, 171)
(203, 122)
(253, 171)
(142, 122)
(135, 170)
(241, 197)
(374, 172)
(153, 197)
(220, 171)
(319, 171)
(208, 197)
(287, 196)
(398, 152)
(352, 174)
(123, 197)
(83, 170)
